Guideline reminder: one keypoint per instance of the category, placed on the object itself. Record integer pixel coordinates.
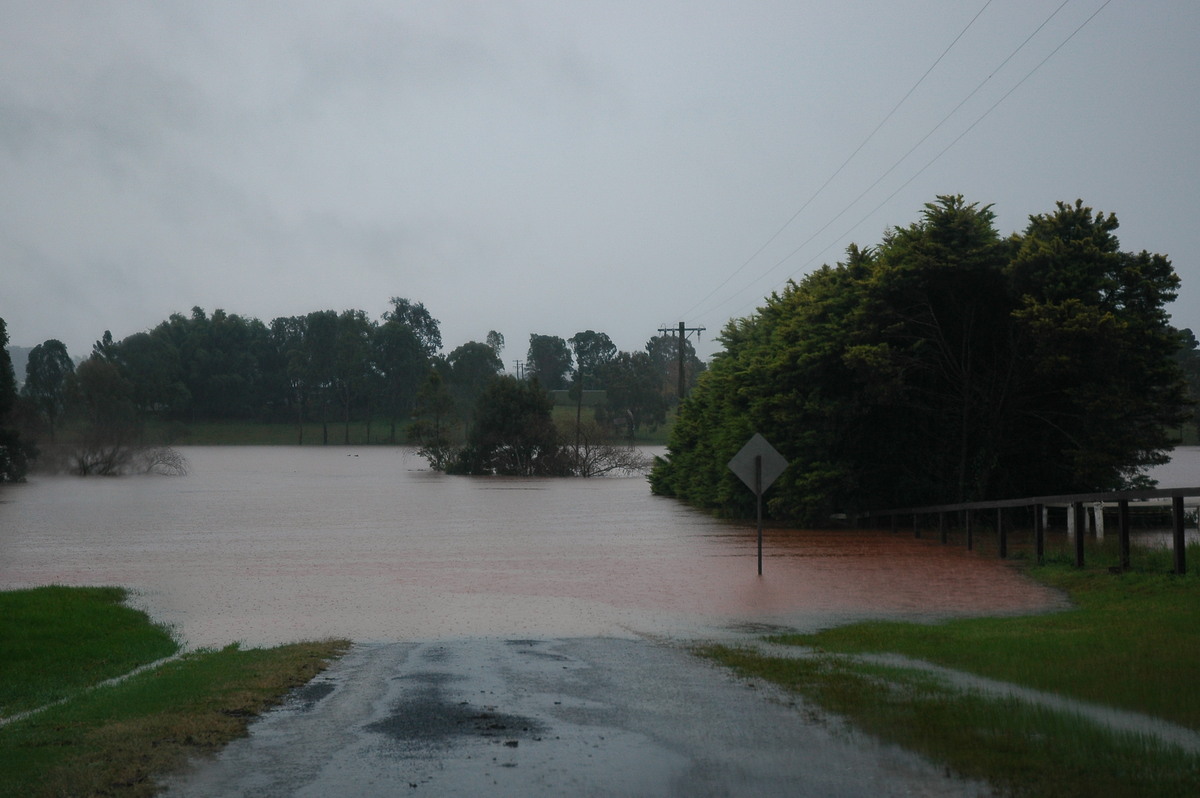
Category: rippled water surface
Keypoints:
(266, 545)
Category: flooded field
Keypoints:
(267, 545)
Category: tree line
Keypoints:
(947, 364)
(333, 368)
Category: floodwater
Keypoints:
(1183, 471)
(264, 545)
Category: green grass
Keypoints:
(564, 420)
(1131, 641)
(57, 640)
(1020, 749)
(115, 740)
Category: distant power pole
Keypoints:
(519, 363)
(682, 333)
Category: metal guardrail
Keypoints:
(1076, 502)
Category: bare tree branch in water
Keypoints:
(596, 454)
(161, 460)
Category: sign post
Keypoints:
(758, 465)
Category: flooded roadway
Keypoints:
(512, 637)
(264, 545)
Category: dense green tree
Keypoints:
(219, 360)
(496, 341)
(402, 365)
(936, 340)
(1188, 359)
(319, 361)
(352, 363)
(101, 401)
(548, 360)
(471, 367)
(592, 351)
(46, 373)
(15, 453)
(1103, 388)
(422, 323)
(513, 432)
(434, 421)
(289, 357)
(663, 351)
(633, 392)
(946, 364)
(151, 365)
(223, 366)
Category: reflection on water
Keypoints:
(265, 545)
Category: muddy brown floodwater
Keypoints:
(267, 545)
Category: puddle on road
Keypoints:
(271, 544)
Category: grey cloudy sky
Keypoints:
(550, 167)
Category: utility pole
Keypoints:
(683, 330)
(520, 373)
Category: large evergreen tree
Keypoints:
(948, 364)
(548, 360)
(46, 374)
(15, 453)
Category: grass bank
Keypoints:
(55, 641)
(1132, 641)
(114, 740)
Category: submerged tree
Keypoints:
(101, 400)
(434, 422)
(470, 370)
(513, 432)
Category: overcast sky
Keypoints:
(550, 167)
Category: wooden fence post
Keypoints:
(1039, 533)
(1001, 532)
(1080, 516)
(1123, 518)
(1180, 540)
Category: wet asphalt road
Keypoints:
(580, 717)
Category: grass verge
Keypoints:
(1132, 641)
(1020, 749)
(55, 641)
(114, 740)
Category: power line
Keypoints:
(846, 162)
(935, 158)
(683, 330)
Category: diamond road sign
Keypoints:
(773, 463)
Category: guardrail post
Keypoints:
(1079, 513)
(1039, 532)
(942, 526)
(1123, 517)
(916, 525)
(1001, 533)
(1180, 541)
(969, 530)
